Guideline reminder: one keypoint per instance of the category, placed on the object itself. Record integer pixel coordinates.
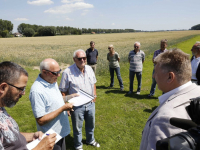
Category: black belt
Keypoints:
(193, 80)
(92, 64)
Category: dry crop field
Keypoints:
(30, 51)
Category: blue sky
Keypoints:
(108, 14)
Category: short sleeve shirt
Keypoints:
(113, 60)
(91, 56)
(136, 60)
(73, 80)
(10, 137)
(157, 52)
(46, 98)
(194, 64)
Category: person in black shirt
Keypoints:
(92, 56)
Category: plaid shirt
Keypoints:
(73, 80)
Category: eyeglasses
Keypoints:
(109, 47)
(136, 46)
(20, 89)
(80, 58)
(54, 73)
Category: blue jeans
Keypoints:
(117, 70)
(139, 79)
(84, 112)
(153, 85)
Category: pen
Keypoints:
(47, 134)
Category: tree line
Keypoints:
(6, 27)
(38, 30)
(196, 27)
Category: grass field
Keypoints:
(120, 118)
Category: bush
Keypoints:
(4, 33)
(29, 32)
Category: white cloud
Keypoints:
(113, 24)
(21, 19)
(69, 7)
(69, 19)
(71, 1)
(40, 2)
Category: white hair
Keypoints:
(79, 50)
(137, 43)
(44, 65)
(111, 46)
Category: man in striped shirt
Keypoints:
(81, 76)
(136, 59)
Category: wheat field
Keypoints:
(31, 51)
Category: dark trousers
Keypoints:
(60, 145)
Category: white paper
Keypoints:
(83, 98)
(34, 143)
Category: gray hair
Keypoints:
(175, 61)
(137, 43)
(163, 41)
(44, 65)
(197, 44)
(111, 46)
(79, 50)
(10, 72)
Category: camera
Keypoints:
(189, 140)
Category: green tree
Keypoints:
(29, 32)
(196, 27)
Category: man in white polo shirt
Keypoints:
(81, 76)
(195, 63)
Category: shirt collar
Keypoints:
(44, 82)
(165, 96)
(77, 69)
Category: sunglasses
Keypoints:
(54, 73)
(136, 46)
(20, 89)
(109, 47)
(80, 58)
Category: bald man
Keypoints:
(47, 102)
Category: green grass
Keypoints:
(120, 118)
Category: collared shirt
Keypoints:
(46, 98)
(10, 137)
(73, 80)
(157, 52)
(91, 56)
(194, 64)
(136, 60)
(165, 96)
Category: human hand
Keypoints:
(47, 143)
(38, 135)
(72, 96)
(94, 100)
(68, 112)
(68, 106)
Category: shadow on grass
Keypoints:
(101, 87)
(141, 96)
(150, 110)
(69, 140)
(115, 90)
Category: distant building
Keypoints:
(92, 32)
(17, 34)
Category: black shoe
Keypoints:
(149, 95)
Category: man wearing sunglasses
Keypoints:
(81, 76)
(47, 102)
(92, 56)
(13, 81)
(136, 59)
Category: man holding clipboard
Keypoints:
(76, 77)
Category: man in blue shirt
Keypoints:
(92, 56)
(47, 102)
(163, 46)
